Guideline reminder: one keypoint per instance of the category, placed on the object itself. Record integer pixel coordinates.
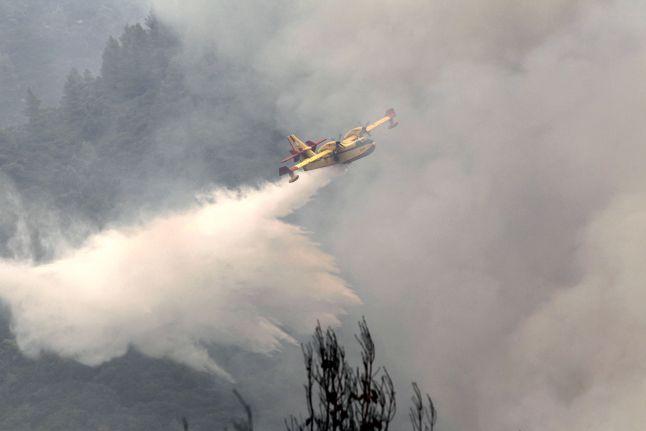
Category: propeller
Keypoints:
(335, 153)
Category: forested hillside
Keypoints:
(142, 134)
(41, 40)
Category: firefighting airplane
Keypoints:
(356, 144)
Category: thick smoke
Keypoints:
(582, 353)
(228, 272)
(496, 235)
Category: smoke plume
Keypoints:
(495, 235)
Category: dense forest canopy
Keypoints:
(137, 136)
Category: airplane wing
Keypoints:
(312, 159)
(388, 118)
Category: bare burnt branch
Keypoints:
(422, 416)
(247, 425)
(340, 397)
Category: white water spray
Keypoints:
(228, 272)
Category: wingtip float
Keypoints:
(357, 143)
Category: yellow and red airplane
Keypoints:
(356, 144)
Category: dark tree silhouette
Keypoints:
(340, 397)
(247, 423)
(422, 416)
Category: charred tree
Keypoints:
(340, 397)
(422, 414)
(247, 423)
